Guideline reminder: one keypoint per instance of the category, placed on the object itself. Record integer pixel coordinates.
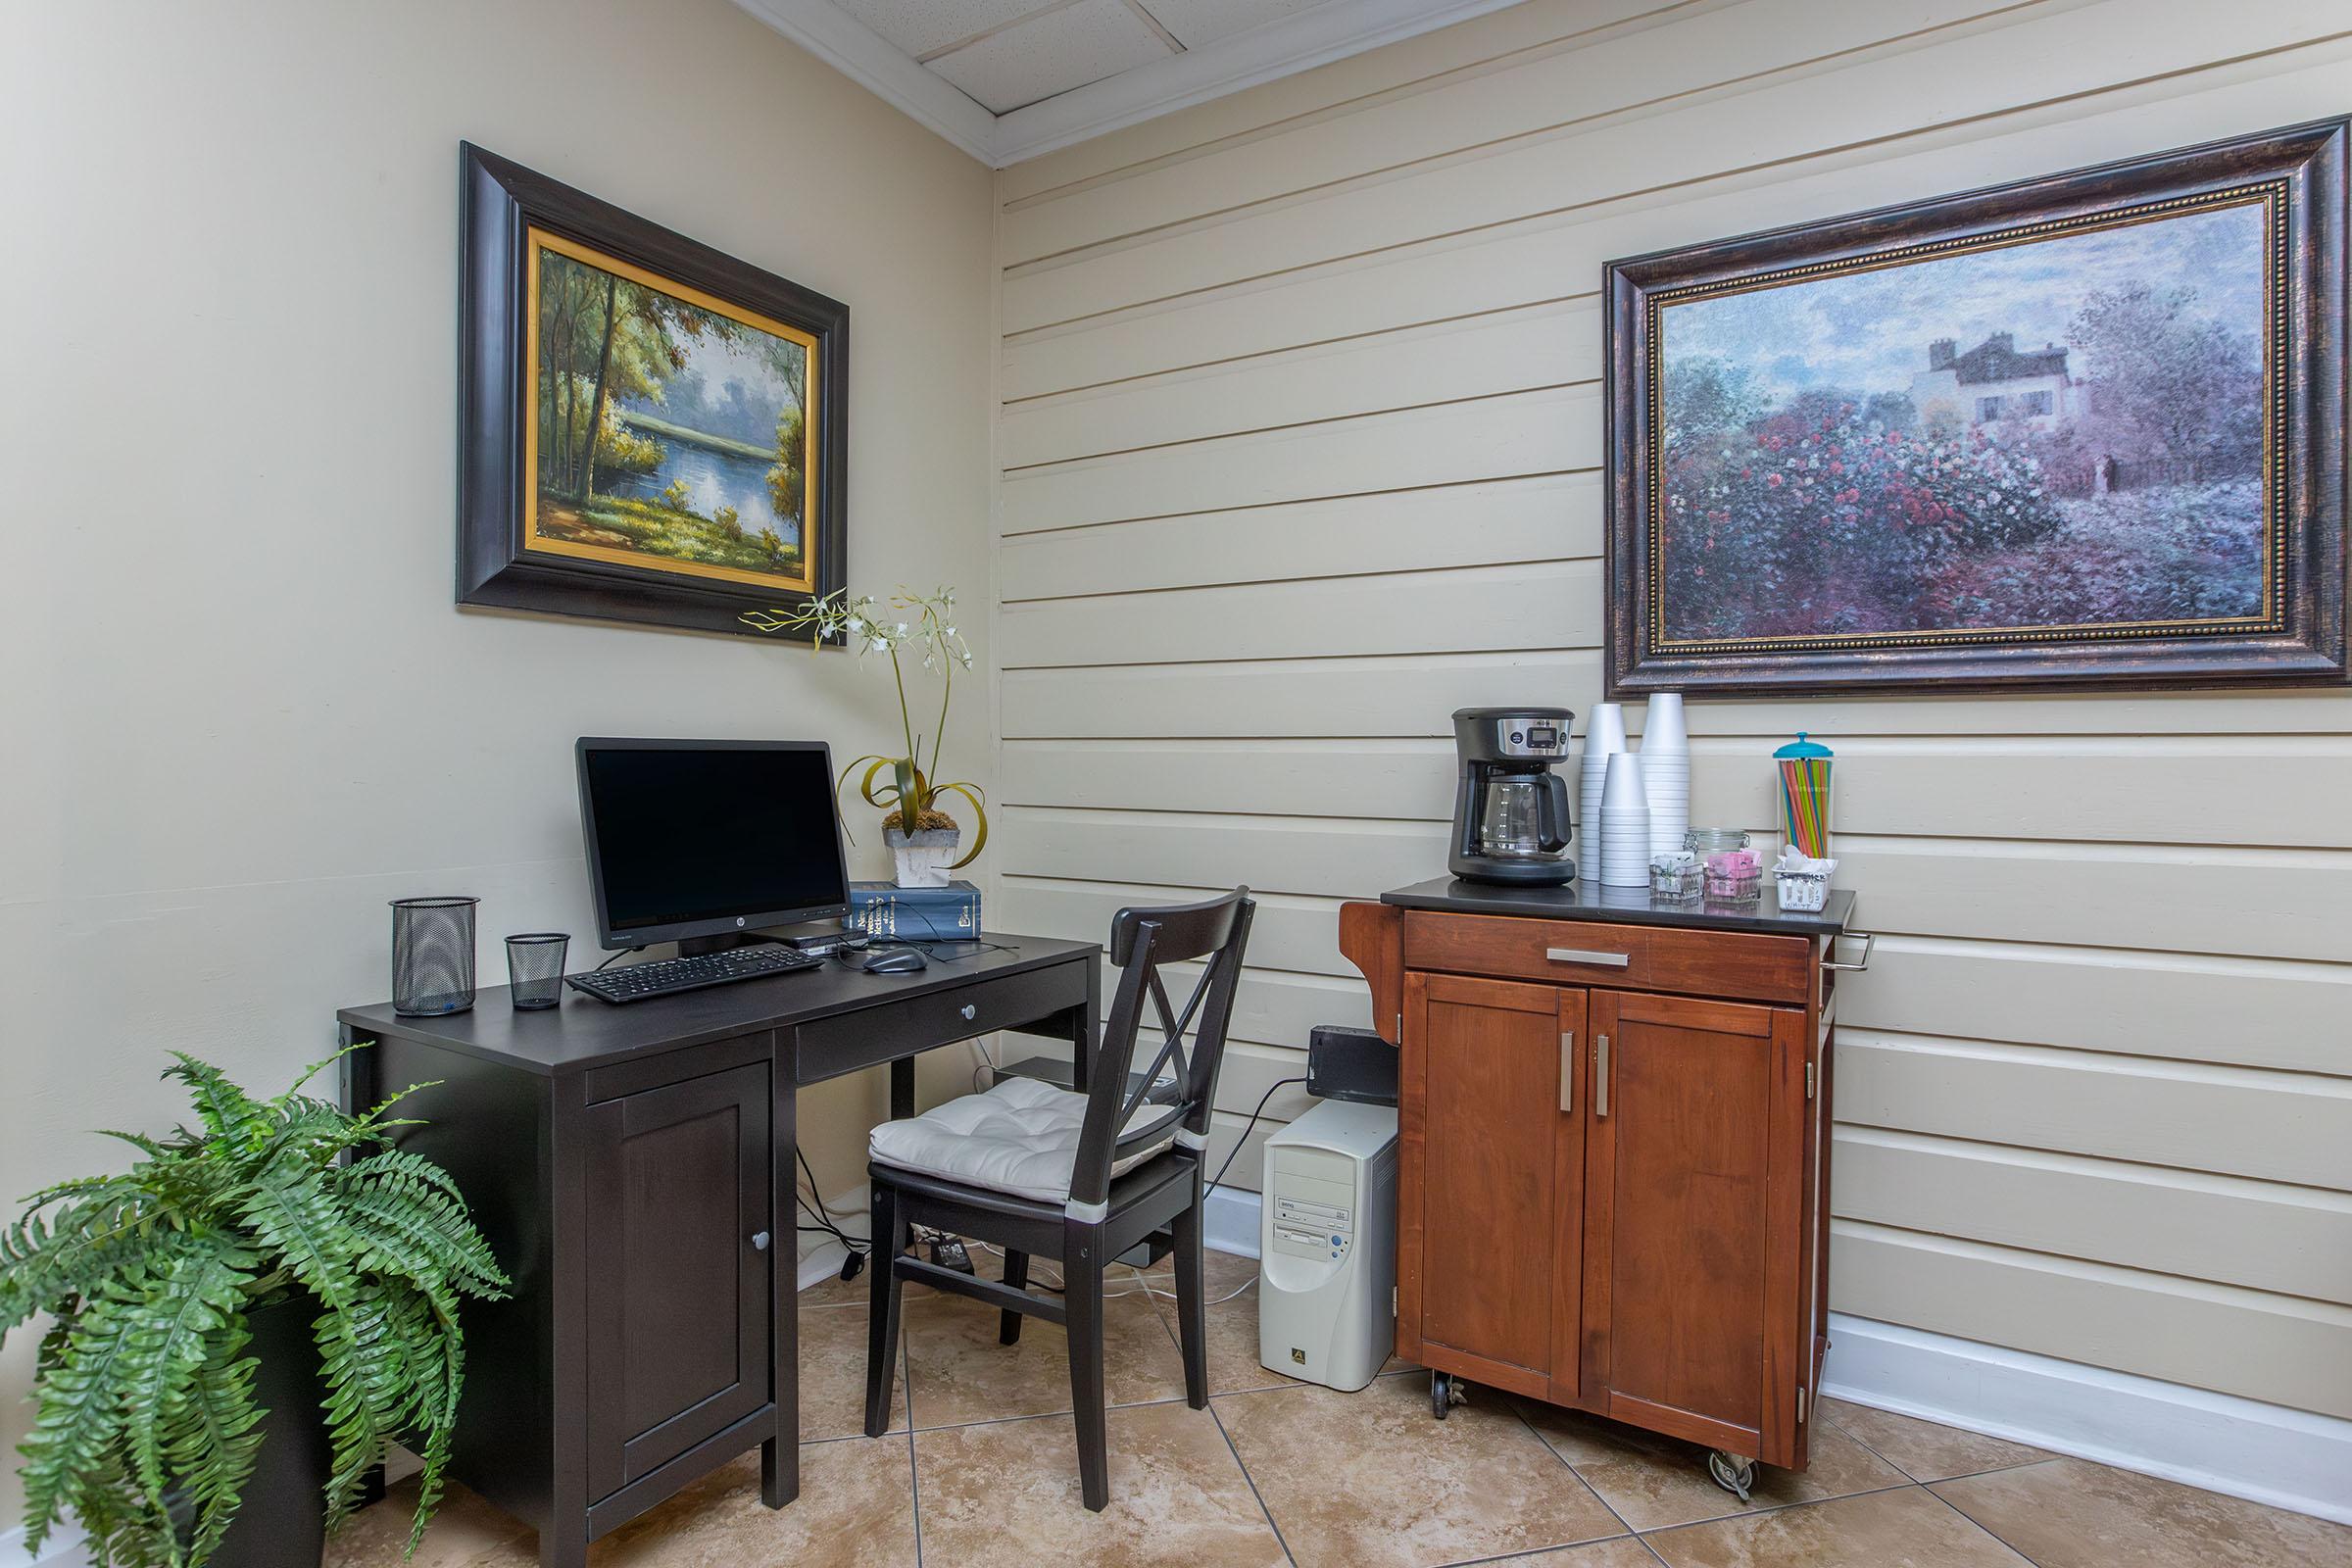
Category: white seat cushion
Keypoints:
(1021, 1138)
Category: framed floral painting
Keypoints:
(652, 430)
(2082, 430)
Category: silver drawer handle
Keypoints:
(969, 1011)
(1614, 961)
(1868, 938)
(760, 1242)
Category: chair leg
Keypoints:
(1192, 1290)
(882, 1309)
(1082, 1299)
(1016, 1275)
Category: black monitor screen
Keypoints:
(710, 835)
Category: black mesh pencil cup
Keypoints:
(432, 956)
(535, 968)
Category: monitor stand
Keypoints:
(814, 937)
(696, 946)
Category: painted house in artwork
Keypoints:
(1995, 382)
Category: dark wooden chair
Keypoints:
(1077, 1180)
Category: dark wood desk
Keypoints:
(633, 1168)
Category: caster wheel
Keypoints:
(1732, 1473)
(1444, 1392)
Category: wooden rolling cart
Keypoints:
(1614, 1128)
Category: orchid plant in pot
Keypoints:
(907, 788)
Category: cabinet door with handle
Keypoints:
(679, 1272)
(1491, 1176)
(1694, 1243)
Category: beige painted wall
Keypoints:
(1301, 443)
(240, 710)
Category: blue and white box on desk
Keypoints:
(915, 915)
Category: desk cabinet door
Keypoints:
(678, 1269)
(1490, 1180)
(1693, 1236)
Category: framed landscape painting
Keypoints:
(2082, 430)
(652, 430)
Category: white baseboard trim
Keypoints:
(2264, 1452)
(2242, 1448)
(1232, 1222)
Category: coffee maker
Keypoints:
(1510, 810)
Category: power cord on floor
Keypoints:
(813, 1204)
(1142, 1284)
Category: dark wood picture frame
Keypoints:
(502, 205)
(2298, 173)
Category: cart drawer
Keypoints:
(1627, 958)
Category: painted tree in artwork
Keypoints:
(2168, 384)
(602, 338)
(788, 480)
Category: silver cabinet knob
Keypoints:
(969, 1011)
(760, 1242)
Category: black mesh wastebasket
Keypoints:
(535, 968)
(432, 956)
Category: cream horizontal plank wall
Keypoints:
(1551, 255)
(1300, 447)
(2284, 1348)
(1636, 68)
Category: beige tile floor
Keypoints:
(979, 1469)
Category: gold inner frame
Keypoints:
(2270, 195)
(538, 240)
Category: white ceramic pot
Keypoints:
(923, 857)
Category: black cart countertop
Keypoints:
(1589, 900)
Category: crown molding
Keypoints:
(863, 55)
(1266, 53)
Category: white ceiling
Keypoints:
(1008, 79)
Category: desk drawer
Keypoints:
(1626, 957)
(901, 1026)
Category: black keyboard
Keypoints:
(668, 976)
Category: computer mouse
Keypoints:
(895, 960)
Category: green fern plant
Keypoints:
(142, 1389)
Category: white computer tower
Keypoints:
(1327, 1246)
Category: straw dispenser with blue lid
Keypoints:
(1805, 794)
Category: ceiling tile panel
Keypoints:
(918, 27)
(1195, 23)
(1051, 54)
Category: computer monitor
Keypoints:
(690, 839)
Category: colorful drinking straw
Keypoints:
(1805, 794)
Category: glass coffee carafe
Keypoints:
(1518, 818)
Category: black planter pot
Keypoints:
(281, 1517)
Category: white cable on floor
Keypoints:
(1148, 1287)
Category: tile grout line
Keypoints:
(1870, 1449)
(1781, 1507)
(1751, 1511)
(1987, 1531)
(1250, 1482)
(1208, 1402)
(914, 1471)
(1972, 1475)
(1542, 1551)
(1931, 1482)
(1545, 1444)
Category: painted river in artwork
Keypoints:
(714, 477)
